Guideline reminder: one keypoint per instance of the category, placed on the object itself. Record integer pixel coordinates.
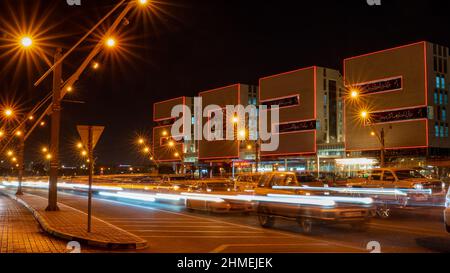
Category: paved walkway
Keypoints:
(20, 233)
(71, 224)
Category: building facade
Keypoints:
(330, 121)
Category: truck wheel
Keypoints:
(383, 212)
(306, 225)
(264, 218)
(362, 226)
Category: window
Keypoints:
(263, 183)
(438, 82)
(436, 130)
(442, 133)
(441, 99)
(443, 83)
(436, 97)
(446, 131)
(446, 98)
(324, 84)
(278, 180)
(440, 65)
(445, 67)
(389, 176)
(435, 63)
(376, 176)
(444, 114)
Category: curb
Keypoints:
(65, 236)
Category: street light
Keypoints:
(354, 93)
(141, 141)
(364, 114)
(80, 145)
(45, 150)
(171, 144)
(10, 153)
(146, 150)
(26, 42)
(95, 65)
(8, 112)
(111, 42)
(164, 133)
(143, 2)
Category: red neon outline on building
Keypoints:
(161, 102)
(424, 43)
(220, 89)
(315, 68)
(356, 85)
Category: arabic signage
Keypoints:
(297, 126)
(283, 102)
(386, 85)
(400, 115)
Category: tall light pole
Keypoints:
(380, 135)
(55, 132)
(21, 160)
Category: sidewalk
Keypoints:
(20, 233)
(71, 224)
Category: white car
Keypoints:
(447, 212)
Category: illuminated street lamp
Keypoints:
(45, 150)
(171, 144)
(26, 42)
(364, 114)
(164, 133)
(177, 154)
(354, 93)
(141, 141)
(8, 112)
(146, 150)
(79, 145)
(143, 2)
(10, 153)
(111, 42)
(48, 156)
(95, 65)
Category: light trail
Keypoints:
(382, 191)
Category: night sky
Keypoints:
(195, 45)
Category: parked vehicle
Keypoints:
(358, 216)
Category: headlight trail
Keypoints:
(352, 200)
(401, 192)
(300, 200)
(66, 186)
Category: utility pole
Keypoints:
(55, 132)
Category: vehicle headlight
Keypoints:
(176, 188)
(418, 186)
(209, 190)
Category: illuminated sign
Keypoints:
(400, 115)
(283, 102)
(297, 126)
(386, 85)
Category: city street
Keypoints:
(172, 229)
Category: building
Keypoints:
(329, 121)
(311, 116)
(402, 93)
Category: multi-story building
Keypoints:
(328, 120)
(402, 93)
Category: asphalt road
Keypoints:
(173, 229)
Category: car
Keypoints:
(402, 179)
(358, 216)
(246, 182)
(222, 188)
(447, 212)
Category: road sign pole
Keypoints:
(91, 173)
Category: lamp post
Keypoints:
(55, 132)
(380, 135)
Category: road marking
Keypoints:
(207, 236)
(223, 247)
(198, 231)
(268, 231)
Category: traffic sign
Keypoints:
(97, 132)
